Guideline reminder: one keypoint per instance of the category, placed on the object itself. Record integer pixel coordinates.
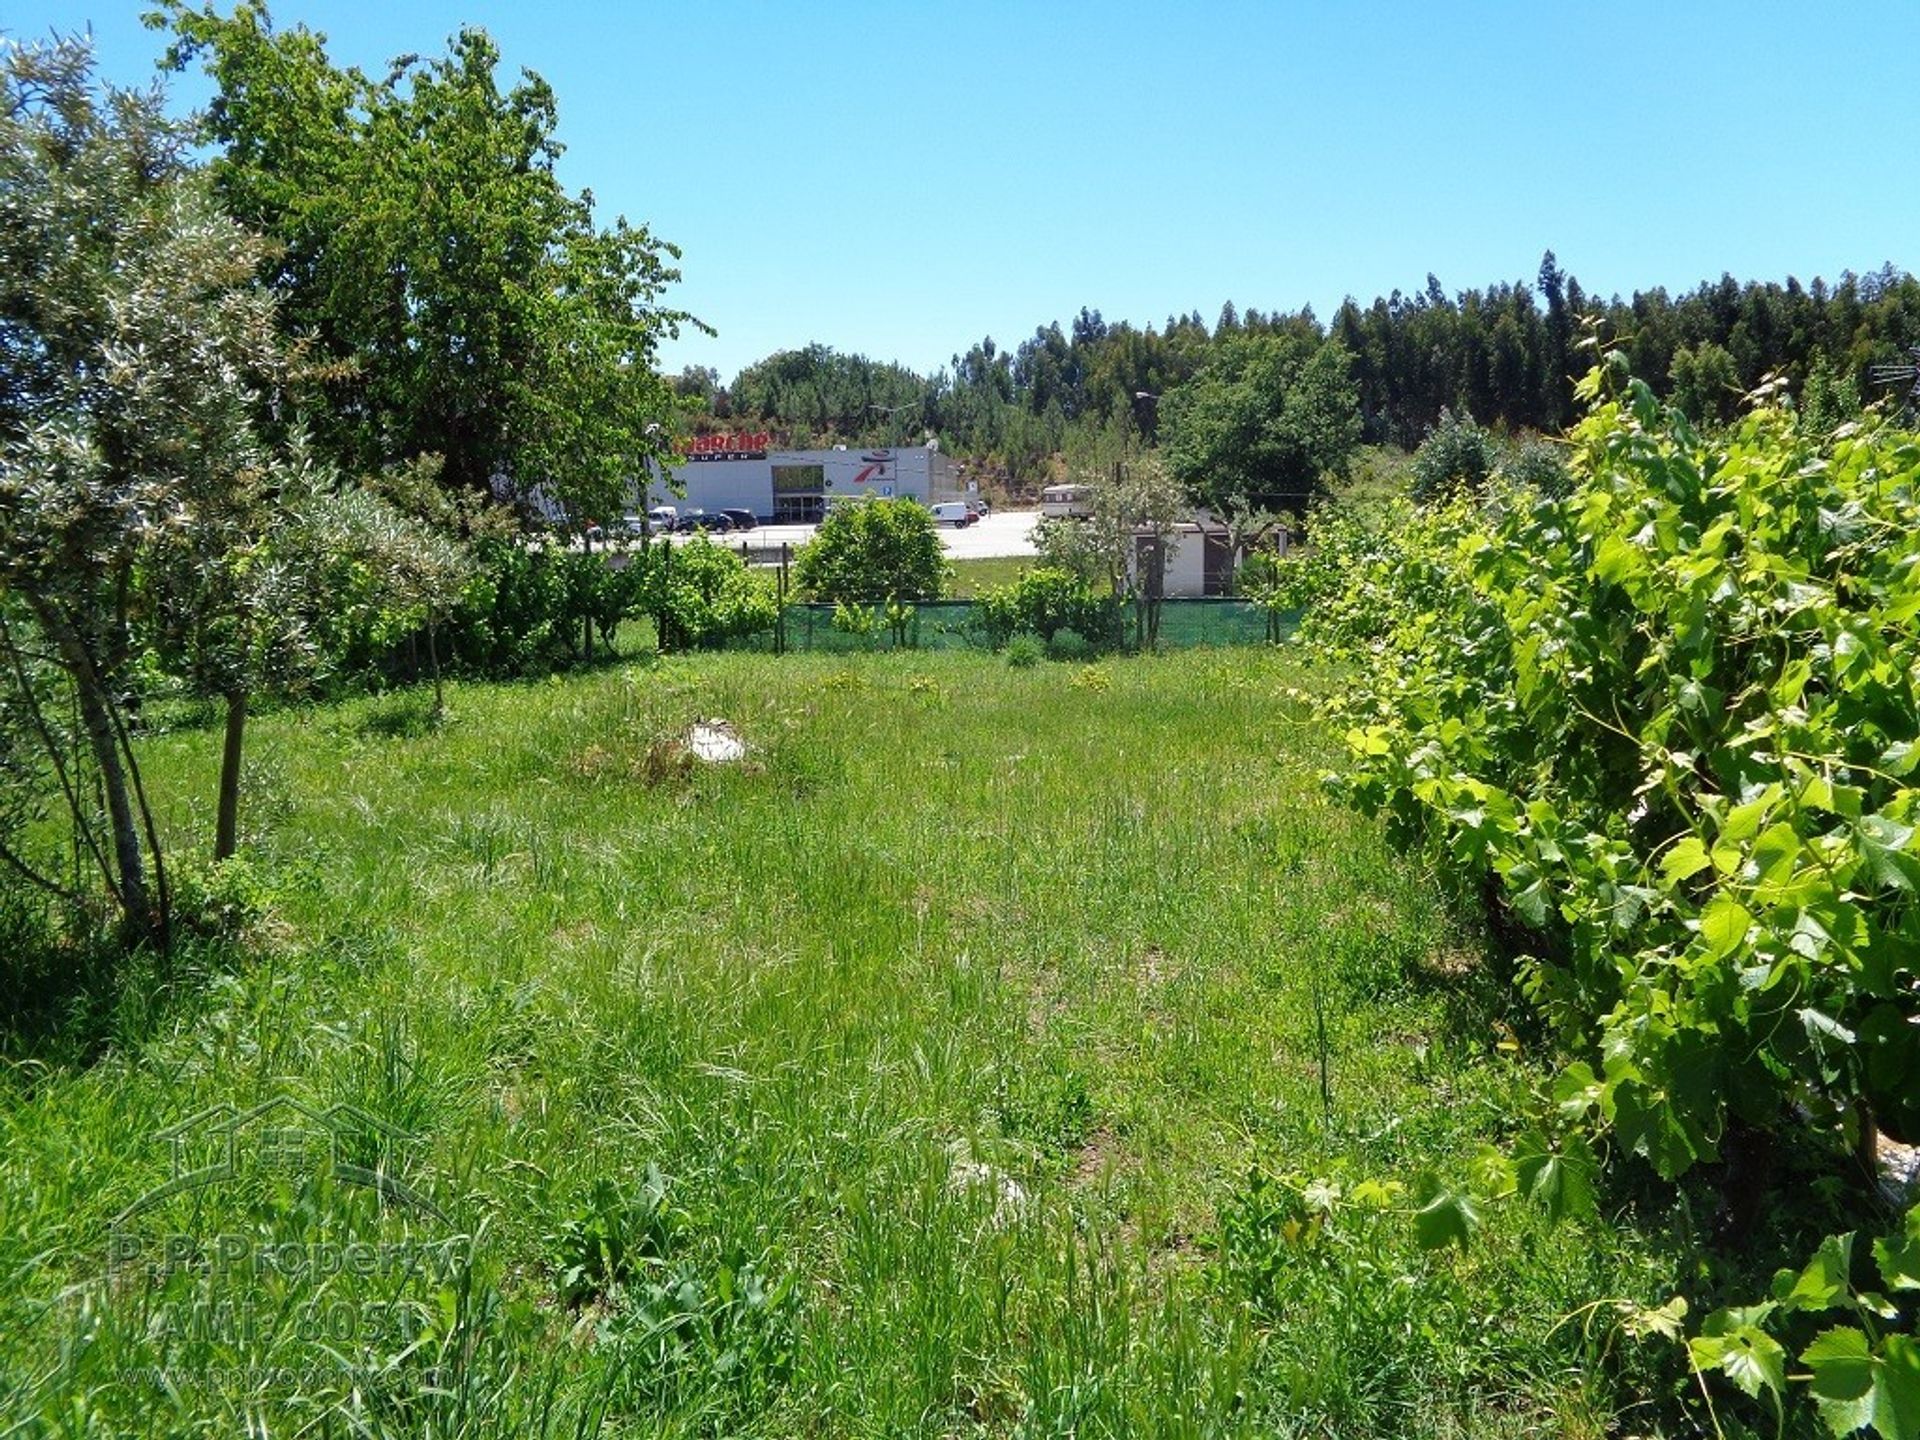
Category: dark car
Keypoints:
(709, 521)
(742, 519)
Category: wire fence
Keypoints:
(1185, 624)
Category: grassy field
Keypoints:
(970, 577)
(978, 1057)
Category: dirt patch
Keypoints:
(1101, 1155)
(1453, 963)
(1154, 969)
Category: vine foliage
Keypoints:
(1667, 724)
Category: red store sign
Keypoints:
(750, 446)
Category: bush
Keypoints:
(525, 611)
(874, 553)
(1539, 465)
(1456, 455)
(1671, 725)
(702, 595)
(1025, 651)
(1044, 601)
(1069, 645)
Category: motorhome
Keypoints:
(1073, 502)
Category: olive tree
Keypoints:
(136, 357)
(154, 506)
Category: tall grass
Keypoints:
(921, 1074)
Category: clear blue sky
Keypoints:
(900, 180)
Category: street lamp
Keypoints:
(1153, 432)
(892, 410)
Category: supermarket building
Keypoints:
(746, 472)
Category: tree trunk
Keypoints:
(226, 835)
(433, 659)
(96, 718)
(587, 541)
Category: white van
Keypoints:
(954, 513)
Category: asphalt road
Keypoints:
(1005, 532)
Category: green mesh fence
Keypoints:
(950, 625)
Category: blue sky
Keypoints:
(900, 180)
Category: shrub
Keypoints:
(1671, 723)
(702, 595)
(1540, 465)
(1069, 645)
(874, 553)
(1456, 455)
(1025, 651)
(525, 611)
(1044, 601)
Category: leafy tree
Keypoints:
(1705, 384)
(1456, 455)
(137, 361)
(1262, 424)
(463, 303)
(874, 553)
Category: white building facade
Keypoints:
(747, 472)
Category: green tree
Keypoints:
(138, 361)
(874, 553)
(1705, 384)
(1262, 424)
(462, 302)
(1456, 455)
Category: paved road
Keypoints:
(1005, 532)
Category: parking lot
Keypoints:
(1003, 533)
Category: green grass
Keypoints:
(971, 577)
(922, 1075)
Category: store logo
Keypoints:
(746, 446)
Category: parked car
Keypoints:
(712, 522)
(742, 519)
(954, 513)
(636, 525)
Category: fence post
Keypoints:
(780, 610)
(664, 637)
